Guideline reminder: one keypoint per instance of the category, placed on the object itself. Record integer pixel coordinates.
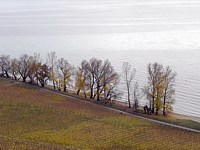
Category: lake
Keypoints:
(135, 31)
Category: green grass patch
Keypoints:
(187, 123)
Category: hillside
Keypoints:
(31, 118)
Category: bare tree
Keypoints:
(109, 81)
(59, 82)
(52, 61)
(14, 68)
(128, 75)
(154, 78)
(35, 63)
(43, 74)
(93, 76)
(5, 65)
(136, 96)
(169, 91)
(24, 65)
(66, 70)
(112, 90)
(99, 77)
(98, 72)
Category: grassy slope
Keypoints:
(30, 118)
(176, 119)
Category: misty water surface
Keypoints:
(137, 31)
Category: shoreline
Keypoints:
(172, 115)
(186, 117)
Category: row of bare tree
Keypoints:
(25, 67)
(95, 78)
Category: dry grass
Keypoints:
(33, 119)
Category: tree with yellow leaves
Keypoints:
(65, 69)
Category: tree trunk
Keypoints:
(153, 99)
(7, 75)
(64, 84)
(85, 94)
(31, 80)
(149, 106)
(98, 94)
(24, 79)
(42, 84)
(91, 88)
(65, 89)
(164, 104)
(110, 101)
(15, 77)
(164, 111)
(91, 92)
(129, 101)
(78, 91)
(54, 85)
(156, 111)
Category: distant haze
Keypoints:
(137, 31)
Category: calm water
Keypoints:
(137, 31)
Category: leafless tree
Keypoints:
(14, 68)
(109, 80)
(128, 75)
(35, 64)
(136, 96)
(5, 65)
(93, 76)
(24, 65)
(66, 70)
(169, 91)
(112, 91)
(98, 72)
(52, 61)
(43, 74)
(97, 76)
